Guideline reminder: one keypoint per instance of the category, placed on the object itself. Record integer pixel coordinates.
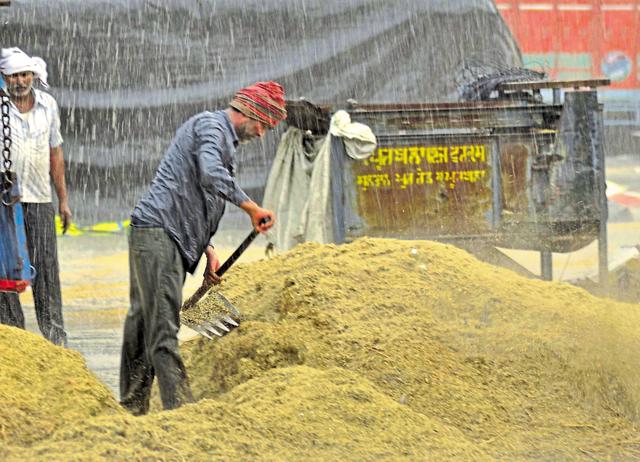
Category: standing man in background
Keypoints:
(172, 226)
(38, 161)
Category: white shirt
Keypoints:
(33, 134)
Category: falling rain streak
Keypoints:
(127, 74)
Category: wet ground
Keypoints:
(94, 281)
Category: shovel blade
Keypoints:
(220, 324)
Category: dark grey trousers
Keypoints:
(43, 253)
(150, 345)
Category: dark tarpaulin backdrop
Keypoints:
(127, 73)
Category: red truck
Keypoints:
(582, 39)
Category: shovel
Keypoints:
(221, 323)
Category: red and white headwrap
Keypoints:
(262, 101)
(15, 61)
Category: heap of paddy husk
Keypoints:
(44, 388)
(526, 368)
(623, 283)
(385, 350)
(284, 415)
(626, 280)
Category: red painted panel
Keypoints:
(607, 30)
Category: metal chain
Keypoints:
(6, 133)
(6, 176)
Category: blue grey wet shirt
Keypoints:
(195, 178)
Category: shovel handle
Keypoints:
(204, 288)
(241, 248)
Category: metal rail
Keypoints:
(545, 84)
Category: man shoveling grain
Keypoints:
(171, 227)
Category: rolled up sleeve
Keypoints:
(55, 137)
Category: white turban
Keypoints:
(14, 61)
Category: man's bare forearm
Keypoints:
(249, 206)
(262, 219)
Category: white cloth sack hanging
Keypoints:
(298, 188)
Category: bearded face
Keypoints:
(250, 129)
(19, 85)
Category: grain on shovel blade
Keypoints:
(218, 318)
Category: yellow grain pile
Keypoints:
(377, 350)
(624, 282)
(44, 388)
(525, 369)
(287, 414)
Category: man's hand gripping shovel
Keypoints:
(222, 323)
